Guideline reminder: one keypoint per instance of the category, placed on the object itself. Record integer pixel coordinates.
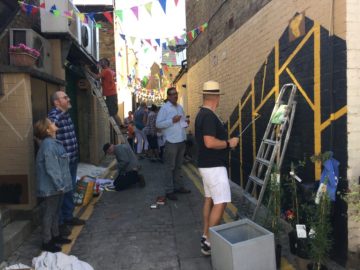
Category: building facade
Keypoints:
(252, 48)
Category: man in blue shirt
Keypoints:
(172, 122)
(66, 134)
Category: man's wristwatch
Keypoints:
(227, 145)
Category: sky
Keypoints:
(158, 25)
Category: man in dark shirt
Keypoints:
(212, 139)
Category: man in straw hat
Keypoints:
(212, 139)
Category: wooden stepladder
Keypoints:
(273, 145)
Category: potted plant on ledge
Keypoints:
(22, 55)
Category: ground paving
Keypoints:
(123, 232)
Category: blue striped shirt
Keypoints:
(66, 132)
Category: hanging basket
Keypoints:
(22, 59)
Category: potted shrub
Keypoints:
(22, 55)
(274, 211)
(320, 242)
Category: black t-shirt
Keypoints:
(207, 123)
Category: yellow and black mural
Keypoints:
(315, 62)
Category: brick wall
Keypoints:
(236, 60)
(353, 97)
(260, 43)
(16, 144)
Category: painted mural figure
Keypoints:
(171, 121)
(212, 139)
(53, 180)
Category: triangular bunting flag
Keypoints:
(81, 17)
(155, 48)
(123, 36)
(54, 11)
(197, 31)
(98, 25)
(28, 9)
(190, 36)
(135, 10)
(68, 14)
(108, 16)
(132, 39)
(163, 5)
(148, 7)
(119, 13)
(35, 10)
(42, 5)
(176, 2)
(177, 40)
(145, 50)
(119, 54)
(148, 41)
(205, 25)
(193, 33)
(164, 46)
(158, 41)
(91, 16)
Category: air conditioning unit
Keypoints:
(88, 37)
(51, 24)
(33, 40)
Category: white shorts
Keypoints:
(216, 184)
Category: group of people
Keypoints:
(57, 159)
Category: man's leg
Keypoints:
(208, 205)
(179, 158)
(169, 162)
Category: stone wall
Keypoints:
(16, 144)
(353, 97)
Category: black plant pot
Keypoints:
(293, 242)
(313, 266)
(298, 246)
(278, 255)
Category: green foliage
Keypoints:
(274, 204)
(320, 242)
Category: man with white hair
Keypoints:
(212, 139)
(66, 134)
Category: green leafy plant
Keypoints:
(320, 240)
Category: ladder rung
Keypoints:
(256, 180)
(270, 142)
(263, 161)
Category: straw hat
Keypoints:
(211, 88)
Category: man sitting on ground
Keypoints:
(128, 166)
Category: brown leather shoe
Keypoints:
(182, 190)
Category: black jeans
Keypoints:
(126, 180)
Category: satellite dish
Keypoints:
(84, 36)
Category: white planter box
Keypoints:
(242, 245)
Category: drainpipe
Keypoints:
(1, 241)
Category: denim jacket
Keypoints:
(52, 168)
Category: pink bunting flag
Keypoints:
(108, 16)
(149, 41)
(176, 2)
(155, 48)
(135, 10)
